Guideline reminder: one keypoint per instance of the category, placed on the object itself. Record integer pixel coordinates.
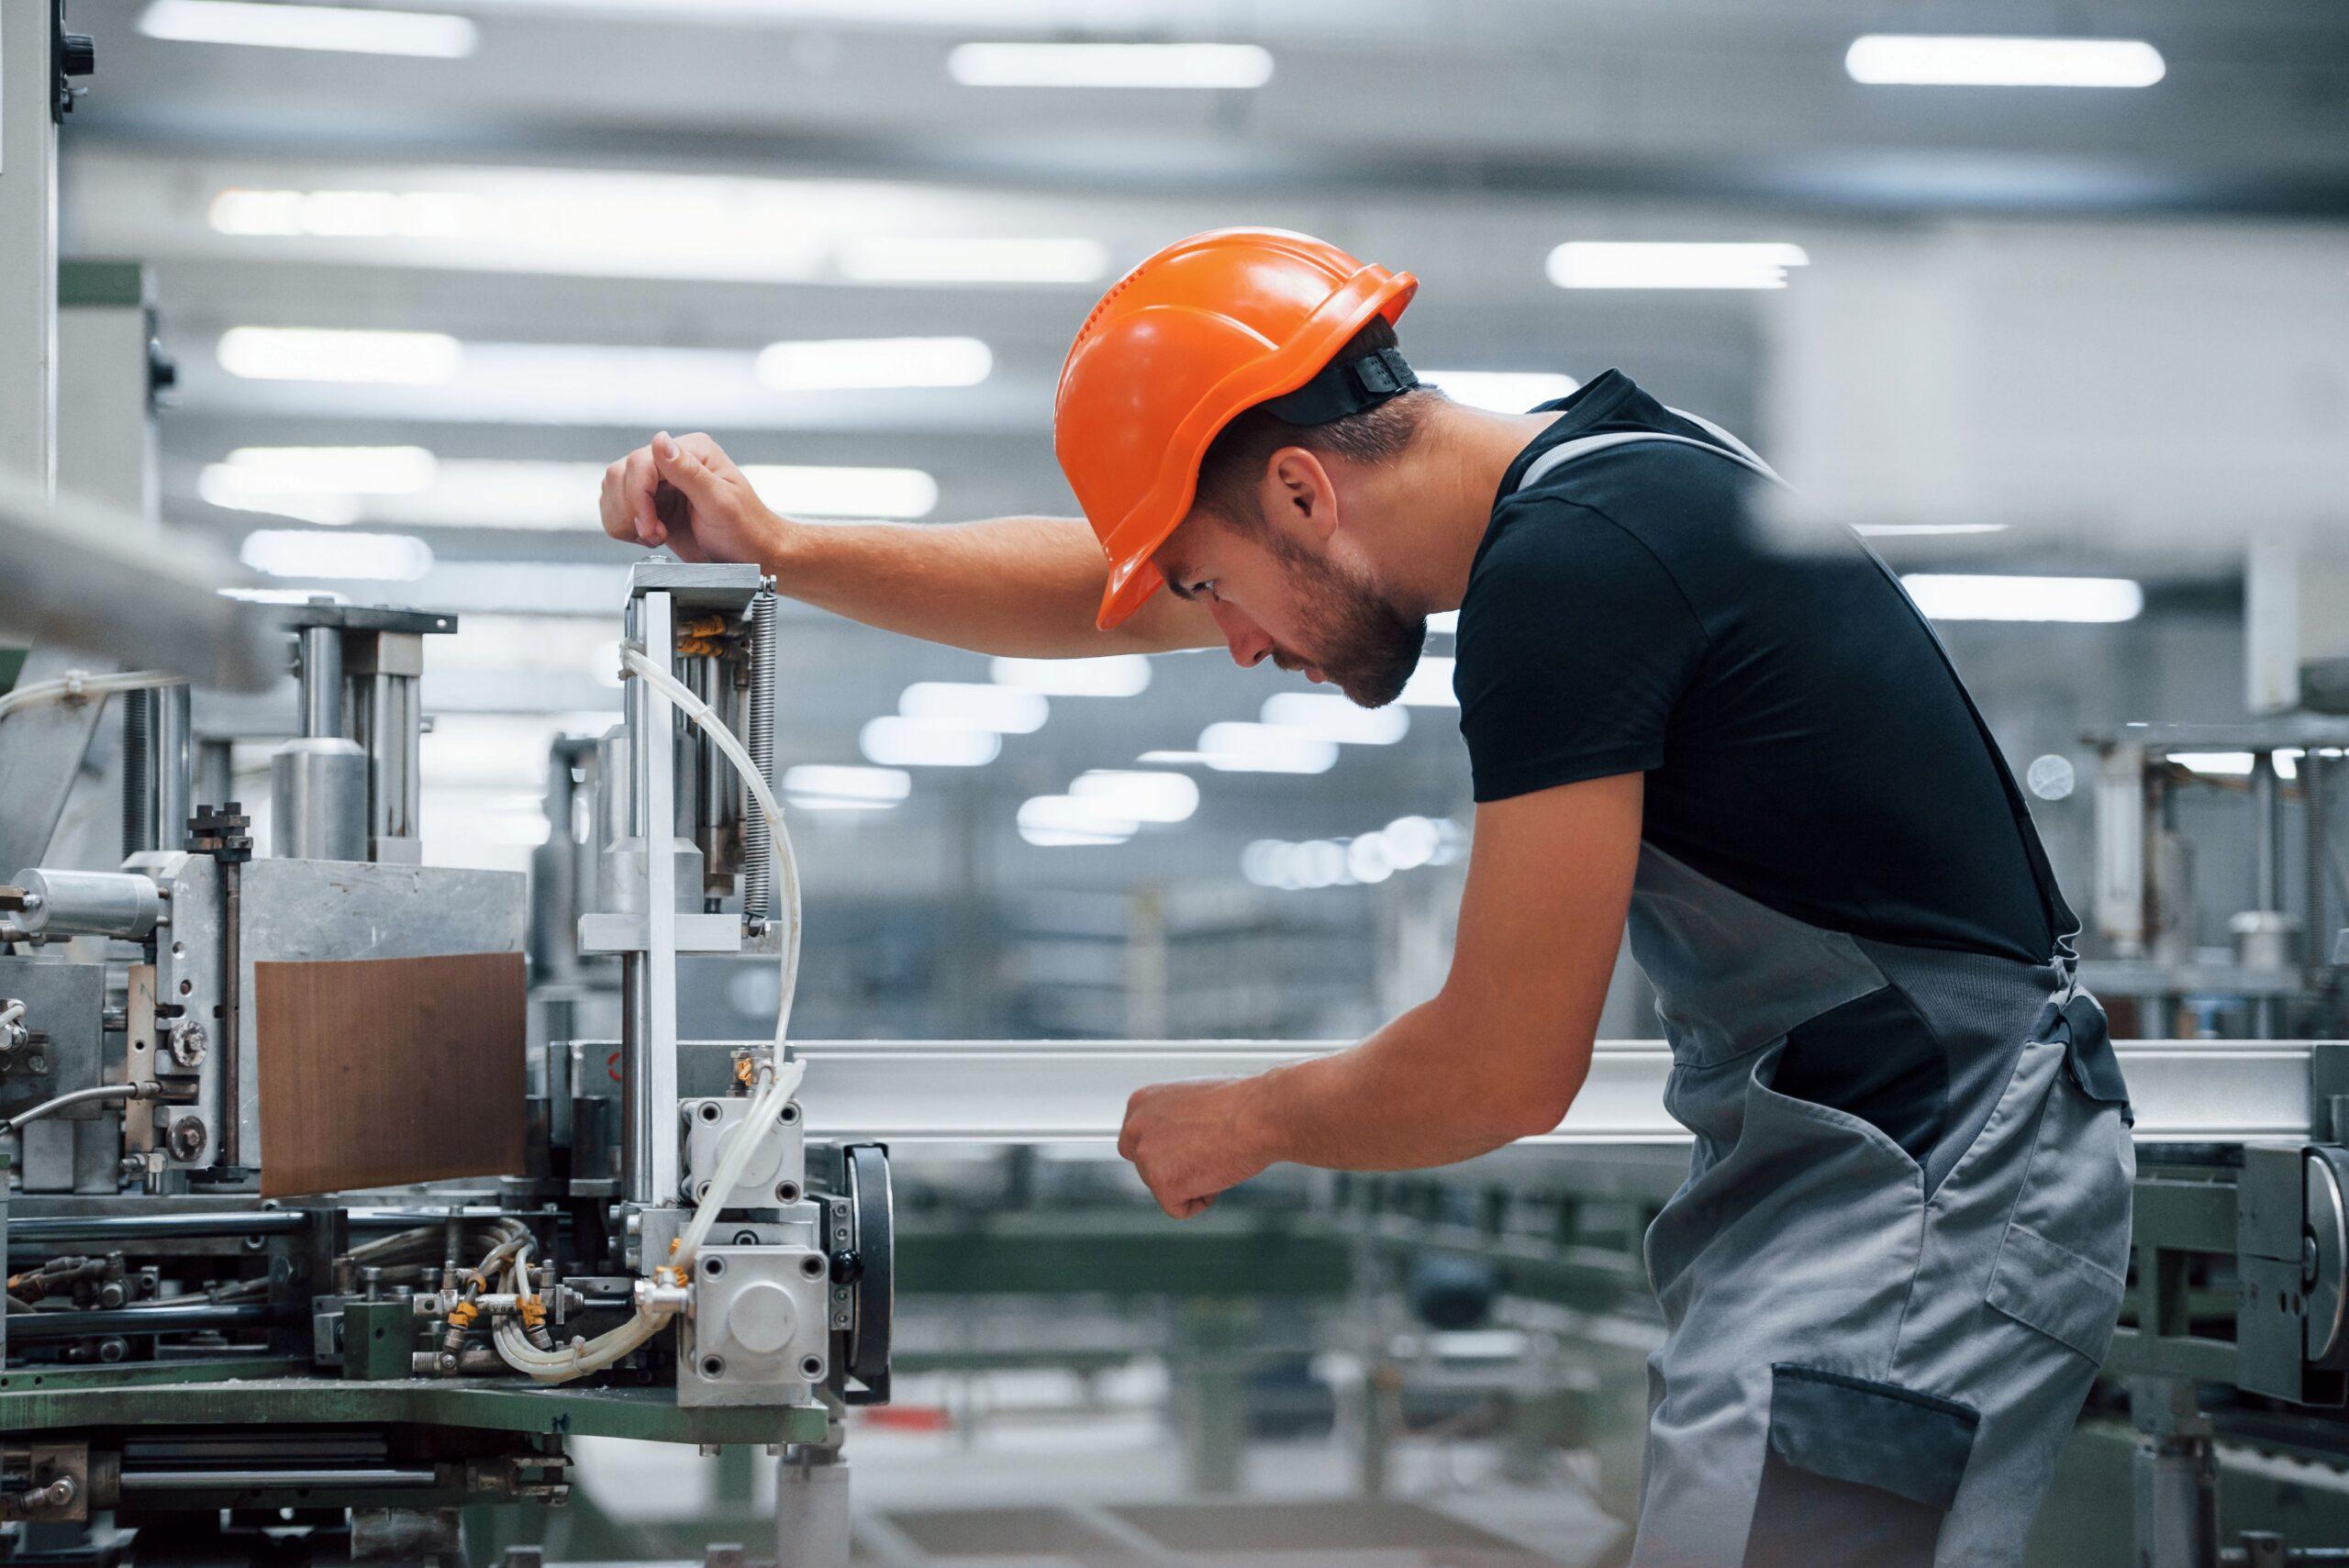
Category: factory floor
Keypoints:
(1097, 1492)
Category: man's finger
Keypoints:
(686, 470)
(637, 489)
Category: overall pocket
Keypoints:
(2063, 1256)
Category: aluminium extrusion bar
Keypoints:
(1051, 1091)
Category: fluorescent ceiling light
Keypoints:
(301, 471)
(861, 364)
(965, 704)
(1430, 685)
(1923, 531)
(1334, 717)
(380, 485)
(347, 214)
(1064, 821)
(2220, 764)
(1111, 676)
(836, 786)
(304, 353)
(896, 741)
(1502, 392)
(922, 258)
(1192, 65)
(303, 552)
(339, 27)
(1957, 598)
(1446, 622)
(1140, 796)
(1233, 747)
(1610, 264)
(842, 492)
(1955, 60)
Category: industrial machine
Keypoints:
(297, 1224)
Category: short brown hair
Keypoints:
(1235, 460)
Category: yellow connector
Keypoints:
(533, 1311)
(462, 1316)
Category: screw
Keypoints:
(188, 1139)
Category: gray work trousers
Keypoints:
(1876, 1344)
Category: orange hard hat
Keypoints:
(1207, 327)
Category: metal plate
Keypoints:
(389, 1071)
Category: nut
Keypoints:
(187, 1042)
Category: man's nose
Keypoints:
(1247, 640)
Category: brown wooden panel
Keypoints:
(390, 1070)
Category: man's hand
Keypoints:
(1189, 1142)
(687, 494)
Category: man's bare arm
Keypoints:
(1498, 1054)
(1024, 587)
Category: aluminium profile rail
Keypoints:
(1052, 1091)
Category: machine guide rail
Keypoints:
(1044, 1091)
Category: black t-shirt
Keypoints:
(1804, 737)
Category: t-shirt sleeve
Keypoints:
(1575, 644)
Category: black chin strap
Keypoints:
(1346, 386)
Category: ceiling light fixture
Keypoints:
(1501, 392)
(1335, 718)
(342, 29)
(1109, 675)
(1142, 796)
(1052, 821)
(925, 260)
(1617, 265)
(839, 787)
(864, 364)
(1928, 60)
(2102, 600)
(1162, 65)
(332, 556)
(306, 353)
(894, 740)
(1235, 748)
(965, 704)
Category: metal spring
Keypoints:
(758, 844)
(138, 770)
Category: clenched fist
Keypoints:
(687, 494)
(1191, 1140)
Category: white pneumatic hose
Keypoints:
(75, 683)
(581, 1358)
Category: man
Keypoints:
(1899, 1255)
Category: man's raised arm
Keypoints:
(1027, 587)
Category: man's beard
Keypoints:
(1360, 640)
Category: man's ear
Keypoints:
(1299, 496)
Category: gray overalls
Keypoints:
(1873, 1352)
